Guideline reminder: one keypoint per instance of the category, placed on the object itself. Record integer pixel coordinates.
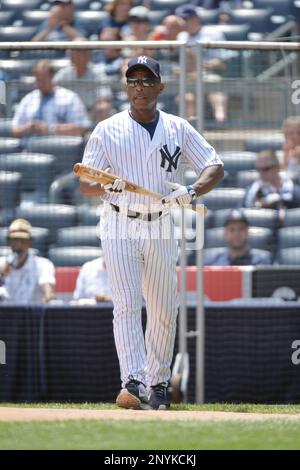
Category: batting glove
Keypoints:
(116, 187)
(180, 196)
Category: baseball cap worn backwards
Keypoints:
(146, 62)
(236, 215)
(20, 228)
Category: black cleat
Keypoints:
(158, 399)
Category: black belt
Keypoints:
(148, 216)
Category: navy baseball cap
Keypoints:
(236, 215)
(146, 62)
(186, 11)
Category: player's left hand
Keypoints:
(116, 187)
(180, 196)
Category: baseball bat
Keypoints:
(104, 177)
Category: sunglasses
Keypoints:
(145, 82)
(264, 169)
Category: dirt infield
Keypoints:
(52, 414)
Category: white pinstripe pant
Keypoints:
(139, 263)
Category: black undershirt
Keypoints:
(149, 126)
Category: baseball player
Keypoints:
(148, 147)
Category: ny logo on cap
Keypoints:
(142, 59)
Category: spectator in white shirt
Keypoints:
(92, 282)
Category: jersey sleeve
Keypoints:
(198, 152)
(94, 154)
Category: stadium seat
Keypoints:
(6, 18)
(288, 237)
(78, 236)
(232, 32)
(15, 68)
(65, 190)
(34, 18)
(7, 216)
(208, 16)
(5, 127)
(259, 237)
(10, 189)
(73, 255)
(289, 256)
(246, 178)
(16, 33)
(157, 16)
(224, 198)
(17, 6)
(235, 161)
(267, 218)
(9, 145)
(292, 218)
(262, 143)
(89, 215)
(91, 20)
(211, 252)
(170, 5)
(82, 4)
(258, 19)
(68, 150)
(36, 169)
(51, 216)
(40, 239)
(279, 7)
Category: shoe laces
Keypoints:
(159, 390)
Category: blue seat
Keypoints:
(232, 32)
(258, 19)
(292, 218)
(208, 16)
(169, 5)
(51, 216)
(34, 18)
(68, 150)
(37, 171)
(259, 237)
(78, 236)
(5, 127)
(212, 252)
(262, 143)
(157, 16)
(17, 6)
(10, 189)
(9, 145)
(16, 68)
(279, 7)
(16, 33)
(288, 237)
(289, 256)
(257, 217)
(6, 18)
(246, 178)
(91, 20)
(88, 215)
(65, 190)
(40, 239)
(73, 255)
(235, 161)
(224, 198)
(82, 4)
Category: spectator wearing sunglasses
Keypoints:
(272, 190)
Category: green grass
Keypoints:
(237, 408)
(272, 434)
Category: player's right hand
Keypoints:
(116, 187)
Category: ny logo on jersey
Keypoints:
(142, 59)
(171, 159)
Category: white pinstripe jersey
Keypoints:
(125, 146)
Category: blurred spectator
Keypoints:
(61, 25)
(102, 110)
(173, 26)
(81, 76)
(238, 252)
(291, 147)
(272, 190)
(214, 59)
(118, 16)
(109, 60)
(49, 109)
(92, 282)
(218, 4)
(139, 22)
(26, 277)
